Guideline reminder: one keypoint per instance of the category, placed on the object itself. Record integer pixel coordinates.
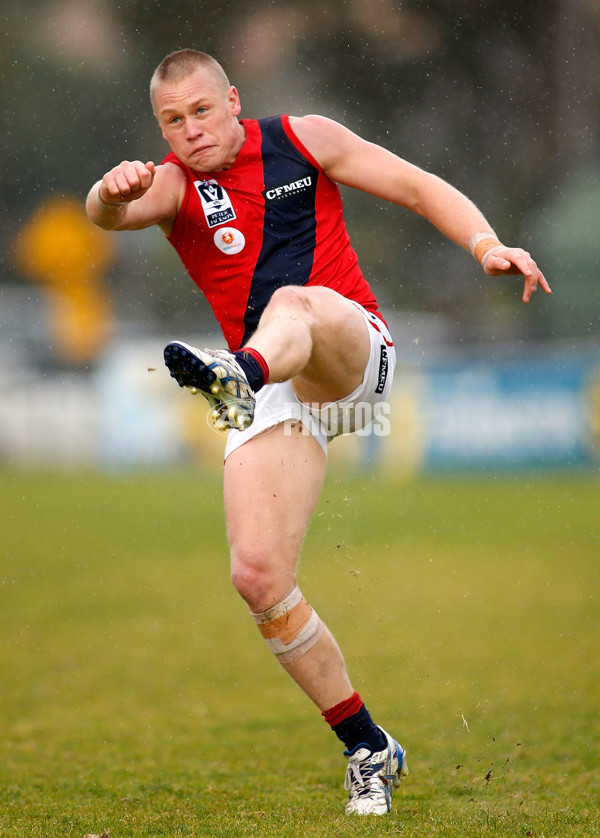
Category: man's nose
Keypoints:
(192, 129)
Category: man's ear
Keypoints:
(234, 101)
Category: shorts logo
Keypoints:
(216, 203)
(287, 189)
(383, 370)
(229, 240)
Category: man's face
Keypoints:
(198, 119)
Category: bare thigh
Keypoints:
(271, 485)
(341, 348)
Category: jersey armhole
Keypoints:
(173, 235)
(289, 131)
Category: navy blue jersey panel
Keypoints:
(289, 232)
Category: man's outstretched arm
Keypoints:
(350, 160)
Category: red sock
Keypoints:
(343, 710)
(254, 366)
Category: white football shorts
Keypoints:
(357, 413)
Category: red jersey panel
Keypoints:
(273, 219)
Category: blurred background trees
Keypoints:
(501, 98)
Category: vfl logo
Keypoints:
(216, 203)
(288, 189)
(383, 370)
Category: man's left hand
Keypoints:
(514, 260)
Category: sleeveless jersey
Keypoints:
(273, 219)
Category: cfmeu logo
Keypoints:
(286, 189)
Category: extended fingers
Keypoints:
(515, 260)
(532, 280)
(533, 276)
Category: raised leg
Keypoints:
(316, 338)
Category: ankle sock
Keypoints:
(254, 365)
(352, 724)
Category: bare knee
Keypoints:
(291, 297)
(319, 311)
(258, 580)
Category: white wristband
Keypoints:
(479, 237)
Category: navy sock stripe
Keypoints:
(252, 369)
(360, 729)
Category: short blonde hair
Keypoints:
(177, 65)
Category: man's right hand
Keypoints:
(113, 203)
(127, 182)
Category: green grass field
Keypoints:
(137, 699)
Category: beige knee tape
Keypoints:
(290, 628)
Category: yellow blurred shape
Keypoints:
(60, 248)
(593, 399)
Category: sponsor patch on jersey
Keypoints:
(216, 203)
(229, 240)
(276, 193)
(383, 370)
